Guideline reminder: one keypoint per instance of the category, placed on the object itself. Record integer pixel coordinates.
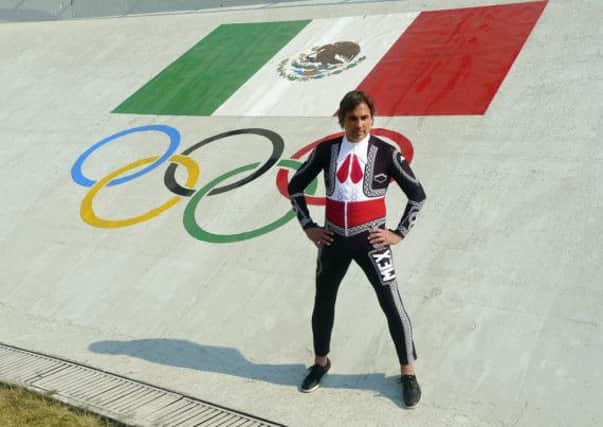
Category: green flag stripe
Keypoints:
(204, 77)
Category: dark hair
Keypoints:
(351, 100)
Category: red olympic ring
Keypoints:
(282, 177)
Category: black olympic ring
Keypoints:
(278, 146)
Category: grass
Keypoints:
(22, 408)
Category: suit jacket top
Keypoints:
(356, 177)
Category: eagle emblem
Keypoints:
(321, 61)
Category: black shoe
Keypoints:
(312, 380)
(411, 392)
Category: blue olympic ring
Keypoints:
(76, 170)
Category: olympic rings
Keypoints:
(76, 170)
(88, 215)
(190, 224)
(278, 146)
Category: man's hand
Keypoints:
(319, 236)
(380, 237)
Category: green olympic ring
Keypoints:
(190, 224)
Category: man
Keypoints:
(357, 170)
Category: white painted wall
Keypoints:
(501, 276)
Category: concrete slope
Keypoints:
(501, 275)
(51, 10)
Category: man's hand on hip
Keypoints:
(319, 236)
(381, 237)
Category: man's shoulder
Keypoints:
(382, 145)
(323, 148)
(330, 141)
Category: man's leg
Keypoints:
(332, 264)
(378, 266)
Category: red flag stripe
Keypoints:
(451, 61)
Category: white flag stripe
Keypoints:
(269, 94)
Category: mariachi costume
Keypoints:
(356, 178)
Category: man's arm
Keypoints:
(302, 178)
(404, 176)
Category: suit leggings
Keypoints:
(377, 264)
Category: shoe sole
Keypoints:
(310, 390)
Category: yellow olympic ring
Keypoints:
(88, 215)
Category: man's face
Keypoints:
(357, 122)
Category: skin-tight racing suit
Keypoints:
(356, 177)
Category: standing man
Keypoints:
(357, 170)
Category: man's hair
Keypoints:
(351, 100)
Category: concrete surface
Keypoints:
(52, 10)
(501, 275)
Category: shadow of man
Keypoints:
(226, 360)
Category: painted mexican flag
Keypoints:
(438, 62)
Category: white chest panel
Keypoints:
(350, 171)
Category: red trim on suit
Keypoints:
(357, 213)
